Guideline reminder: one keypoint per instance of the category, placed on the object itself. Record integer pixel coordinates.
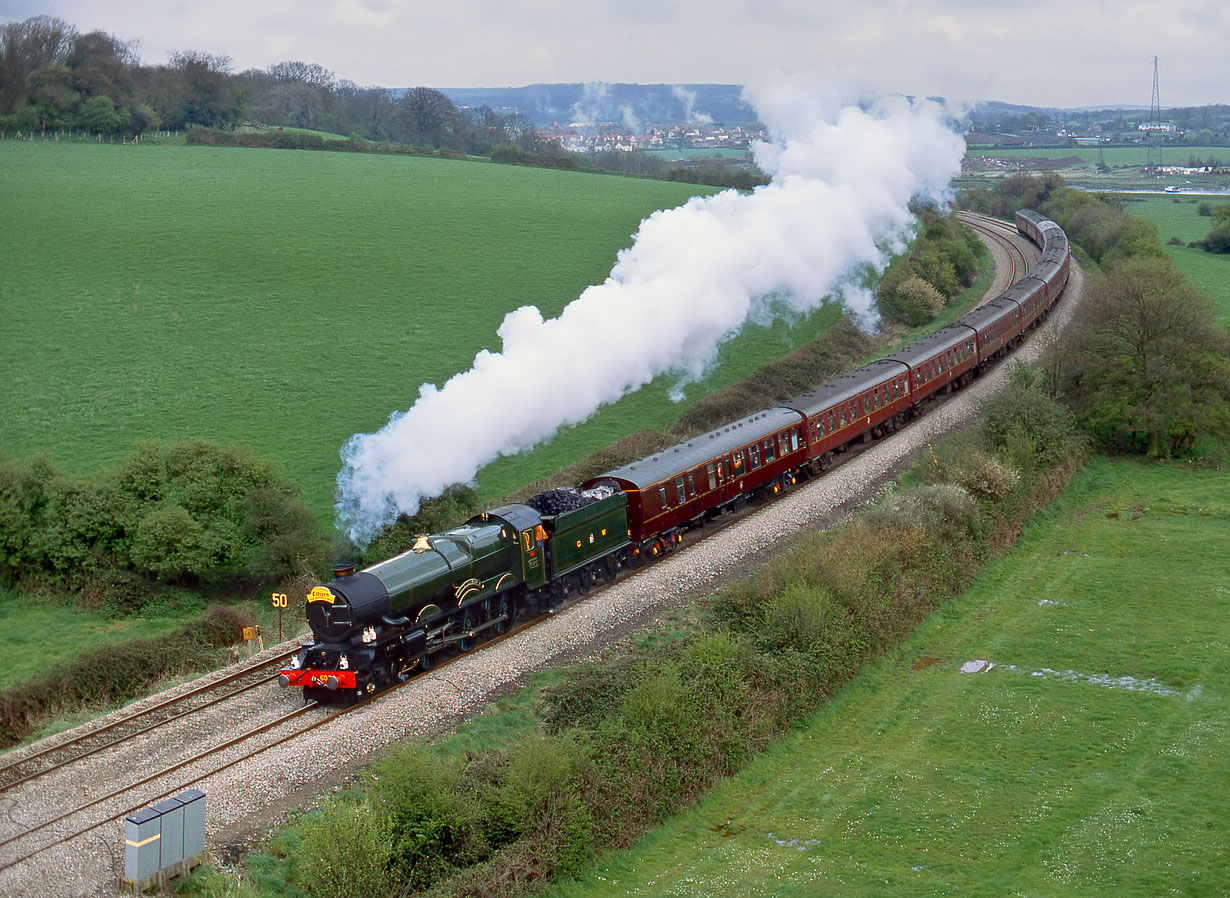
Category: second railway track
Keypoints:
(20, 766)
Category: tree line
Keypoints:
(1144, 365)
(53, 77)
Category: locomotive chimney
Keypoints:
(345, 569)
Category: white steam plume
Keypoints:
(842, 177)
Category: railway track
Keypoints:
(22, 770)
(38, 836)
(1006, 236)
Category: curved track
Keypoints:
(1008, 239)
(38, 837)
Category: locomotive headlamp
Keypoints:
(369, 634)
(343, 663)
(295, 663)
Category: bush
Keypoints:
(345, 852)
(434, 828)
(541, 778)
(910, 302)
(185, 511)
(944, 511)
(984, 476)
(1024, 422)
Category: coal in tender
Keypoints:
(559, 501)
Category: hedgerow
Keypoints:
(116, 673)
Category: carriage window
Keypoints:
(679, 489)
(794, 441)
(842, 417)
(662, 496)
(832, 421)
(736, 463)
(691, 486)
(712, 476)
(770, 450)
(875, 400)
(754, 455)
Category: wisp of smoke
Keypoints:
(842, 178)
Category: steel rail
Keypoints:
(131, 718)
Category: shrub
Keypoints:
(116, 673)
(985, 476)
(1027, 424)
(345, 852)
(434, 827)
(541, 779)
(910, 302)
(177, 511)
(942, 510)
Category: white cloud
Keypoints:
(1094, 52)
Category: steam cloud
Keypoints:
(842, 176)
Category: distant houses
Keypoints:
(607, 137)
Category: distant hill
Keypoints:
(635, 105)
(626, 104)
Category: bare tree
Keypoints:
(26, 47)
(302, 72)
(428, 117)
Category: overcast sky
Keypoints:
(1093, 51)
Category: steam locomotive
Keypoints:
(376, 627)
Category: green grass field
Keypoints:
(1114, 156)
(288, 300)
(1092, 760)
(671, 154)
(1209, 271)
(39, 635)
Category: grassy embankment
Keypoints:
(1087, 762)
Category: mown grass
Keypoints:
(279, 299)
(1208, 271)
(39, 636)
(1090, 761)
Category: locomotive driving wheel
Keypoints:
(468, 623)
(504, 610)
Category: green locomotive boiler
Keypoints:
(376, 626)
